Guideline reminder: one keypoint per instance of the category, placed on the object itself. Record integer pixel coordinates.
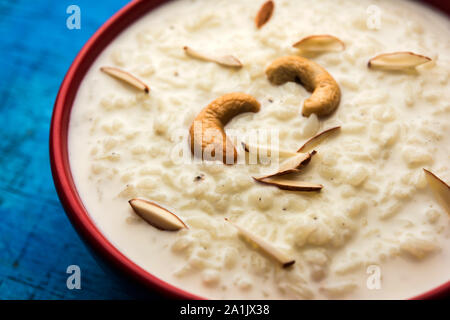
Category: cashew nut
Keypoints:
(207, 134)
(326, 94)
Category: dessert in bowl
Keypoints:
(269, 150)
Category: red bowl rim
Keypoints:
(60, 166)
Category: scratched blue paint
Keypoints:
(37, 242)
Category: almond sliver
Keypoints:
(227, 60)
(264, 246)
(291, 165)
(264, 13)
(317, 139)
(287, 184)
(320, 43)
(397, 61)
(441, 189)
(126, 77)
(197, 55)
(156, 215)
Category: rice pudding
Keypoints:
(374, 216)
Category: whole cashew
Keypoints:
(207, 134)
(326, 94)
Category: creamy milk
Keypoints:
(375, 215)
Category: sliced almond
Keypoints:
(317, 139)
(266, 151)
(264, 246)
(227, 60)
(156, 215)
(427, 65)
(397, 61)
(291, 165)
(287, 184)
(441, 190)
(264, 13)
(320, 43)
(126, 77)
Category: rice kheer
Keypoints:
(374, 217)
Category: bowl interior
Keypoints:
(62, 175)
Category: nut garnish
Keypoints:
(291, 165)
(227, 60)
(320, 43)
(397, 61)
(317, 139)
(287, 184)
(264, 13)
(326, 94)
(440, 188)
(156, 215)
(265, 247)
(266, 151)
(126, 77)
(207, 135)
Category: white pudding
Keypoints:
(375, 217)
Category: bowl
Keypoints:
(62, 176)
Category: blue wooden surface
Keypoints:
(37, 242)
